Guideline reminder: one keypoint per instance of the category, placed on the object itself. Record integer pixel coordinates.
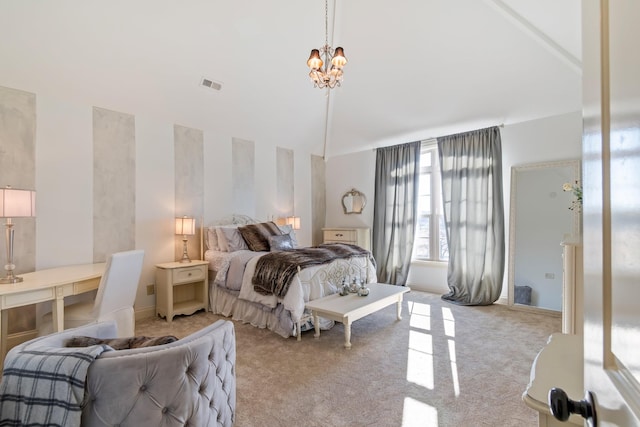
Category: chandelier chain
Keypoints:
(326, 22)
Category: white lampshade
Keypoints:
(185, 226)
(294, 222)
(16, 203)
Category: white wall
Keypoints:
(154, 200)
(64, 185)
(343, 173)
(551, 138)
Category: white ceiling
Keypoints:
(417, 68)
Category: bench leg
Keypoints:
(400, 307)
(347, 334)
(316, 325)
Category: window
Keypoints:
(431, 237)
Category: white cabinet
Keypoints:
(572, 288)
(558, 364)
(352, 235)
(181, 288)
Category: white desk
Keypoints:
(47, 285)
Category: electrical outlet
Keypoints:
(151, 289)
(549, 275)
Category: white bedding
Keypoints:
(310, 283)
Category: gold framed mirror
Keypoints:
(353, 202)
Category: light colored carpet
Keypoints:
(442, 365)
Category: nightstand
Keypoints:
(353, 235)
(181, 288)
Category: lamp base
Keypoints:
(185, 257)
(10, 279)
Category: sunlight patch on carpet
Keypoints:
(420, 359)
(420, 315)
(454, 367)
(449, 322)
(418, 414)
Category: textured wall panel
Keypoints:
(318, 199)
(17, 168)
(284, 181)
(114, 183)
(243, 173)
(189, 183)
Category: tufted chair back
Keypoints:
(189, 382)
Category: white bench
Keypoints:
(349, 308)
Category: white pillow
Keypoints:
(234, 239)
(222, 240)
(212, 239)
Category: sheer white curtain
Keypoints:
(395, 208)
(471, 168)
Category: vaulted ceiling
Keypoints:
(417, 68)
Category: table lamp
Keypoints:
(293, 221)
(14, 203)
(187, 227)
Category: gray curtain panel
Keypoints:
(471, 168)
(395, 210)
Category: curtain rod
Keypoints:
(501, 125)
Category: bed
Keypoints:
(234, 265)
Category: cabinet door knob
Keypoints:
(561, 406)
(189, 274)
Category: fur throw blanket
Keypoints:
(275, 270)
(120, 343)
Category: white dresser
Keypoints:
(359, 236)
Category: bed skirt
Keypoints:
(227, 304)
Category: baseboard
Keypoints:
(145, 313)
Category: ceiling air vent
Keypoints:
(210, 84)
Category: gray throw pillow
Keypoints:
(280, 243)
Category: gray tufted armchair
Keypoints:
(189, 382)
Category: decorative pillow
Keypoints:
(280, 243)
(120, 343)
(288, 229)
(234, 239)
(257, 235)
(212, 239)
(223, 246)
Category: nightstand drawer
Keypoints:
(189, 274)
(340, 235)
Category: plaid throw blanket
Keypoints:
(275, 270)
(45, 387)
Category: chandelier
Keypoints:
(326, 77)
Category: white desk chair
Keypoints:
(114, 300)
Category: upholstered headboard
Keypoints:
(233, 219)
